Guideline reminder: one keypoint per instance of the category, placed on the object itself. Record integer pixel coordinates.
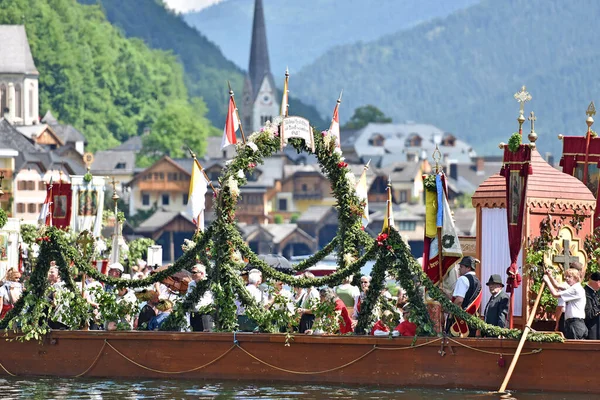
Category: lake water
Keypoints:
(54, 388)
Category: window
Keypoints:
(31, 88)
(31, 208)
(40, 206)
(120, 165)
(21, 185)
(264, 119)
(145, 199)
(185, 199)
(165, 199)
(304, 187)
(20, 208)
(18, 101)
(42, 185)
(172, 176)
(403, 196)
(30, 185)
(282, 204)
(407, 225)
(3, 100)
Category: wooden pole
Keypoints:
(526, 330)
(237, 114)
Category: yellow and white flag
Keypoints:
(362, 192)
(196, 200)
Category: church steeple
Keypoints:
(259, 52)
(259, 102)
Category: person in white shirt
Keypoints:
(574, 298)
(200, 322)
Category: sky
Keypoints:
(189, 5)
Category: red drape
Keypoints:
(62, 198)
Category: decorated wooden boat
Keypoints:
(429, 362)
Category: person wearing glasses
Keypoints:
(200, 322)
(365, 282)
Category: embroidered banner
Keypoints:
(61, 201)
(516, 168)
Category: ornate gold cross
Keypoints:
(532, 118)
(115, 196)
(522, 97)
(591, 110)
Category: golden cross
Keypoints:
(522, 97)
(532, 118)
(437, 156)
(114, 185)
(591, 110)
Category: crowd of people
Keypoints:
(577, 316)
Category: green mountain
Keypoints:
(206, 69)
(107, 86)
(460, 72)
(300, 31)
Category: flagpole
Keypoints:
(436, 156)
(237, 114)
(282, 112)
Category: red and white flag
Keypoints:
(231, 126)
(46, 212)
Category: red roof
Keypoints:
(546, 182)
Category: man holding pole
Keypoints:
(574, 298)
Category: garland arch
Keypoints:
(221, 248)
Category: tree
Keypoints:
(177, 127)
(365, 114)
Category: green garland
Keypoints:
(3, 218)
(429, 183)
(514, 142)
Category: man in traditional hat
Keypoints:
(592, 306)
(496, 310)
(467, 295)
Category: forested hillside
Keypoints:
(206, 69)
(461, 72)
(300, 31)
(107, 86)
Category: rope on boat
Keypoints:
(409, 347)
(534, 351)
(307, 372)
(170, 372)
(7, 371)
(94, 362)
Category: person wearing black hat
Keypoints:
(496, 310)
(592, 306)
(467, 294)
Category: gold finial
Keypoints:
(522, 97)
(88, 160)
(115, 196)
(230, 89)
(501, 145)
(532, 135)
(339, 100)
(287, 72)
(191, 152)
(591, 111)
(437, 156)
(366, 167)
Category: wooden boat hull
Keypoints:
(467, 363)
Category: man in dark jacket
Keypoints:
(592, 307)
(496, 310)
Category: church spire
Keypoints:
(259, 53)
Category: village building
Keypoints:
(19, 96)
(385, 144)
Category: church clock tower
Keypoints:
(259, 97)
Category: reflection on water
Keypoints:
(54, 388)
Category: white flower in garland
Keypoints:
(100, 246)
(236, 257)
(253, 146)
(240, 174)
(188, 245)
(349, 259)
(328, 140)
(338, 151)
(351, 179)
(252, 138)
(233, 187)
